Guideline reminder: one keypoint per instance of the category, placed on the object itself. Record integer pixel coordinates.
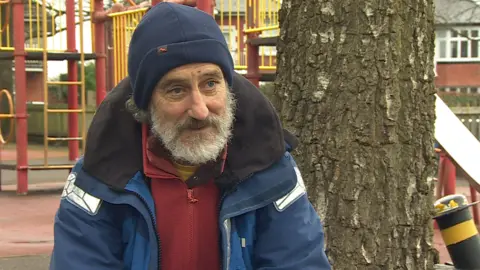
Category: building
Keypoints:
(457, 51)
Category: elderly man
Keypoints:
(186, 166)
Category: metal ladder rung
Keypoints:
(65, 110)
(64, 83)
(64, 138)
(51, 167)
(6, 116)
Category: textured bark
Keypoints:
(355, 84)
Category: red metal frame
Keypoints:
(473, 195)
(20, 96)
(206, 5)
(110, 63)
(253, 66)
(100, 62)
(447, 179)
(72, 77)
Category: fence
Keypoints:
(470, 116)
(123, 24)
(460, 99)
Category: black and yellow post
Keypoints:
(459, 232)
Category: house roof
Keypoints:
(457, 12)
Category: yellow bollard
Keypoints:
(459, 231)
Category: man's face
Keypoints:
(192, 112)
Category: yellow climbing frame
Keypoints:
(232, 17)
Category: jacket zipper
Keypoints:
(224, 195)
(191, 200)
(159, 249)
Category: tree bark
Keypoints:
(355, 84)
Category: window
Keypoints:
(268, 22)
(457, 45)
(441, 89)
(460, 90)
(230, 34)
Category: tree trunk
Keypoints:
(355, 84)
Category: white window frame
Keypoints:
(446, 36)
(269, 50)
(230, 34)
(460, 89)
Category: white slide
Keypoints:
(458, 141)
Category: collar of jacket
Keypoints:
(255, 193)
(113, 151)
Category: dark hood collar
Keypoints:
(113, 151)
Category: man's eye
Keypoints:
(211, 84)
(175, 91)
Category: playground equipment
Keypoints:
(250, 28)
(41, 32)
(45, 31)
(458, 148)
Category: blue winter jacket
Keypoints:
(106, 220)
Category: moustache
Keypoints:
(195, 124)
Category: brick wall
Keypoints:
(458, 74)
(35, 89)
(34, 86)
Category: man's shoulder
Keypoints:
(286, 170)
(295, 193)
(83, 190)
(78, 197)
(281, 183)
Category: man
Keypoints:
(186, 166)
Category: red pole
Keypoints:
(440, 182)
(72, 77)
(440, 176)
(253, 70)
(473, 198)
(206, 6)
(253, 67)
(449, 175)
(110, 83)
(100, 62)
(20, 96)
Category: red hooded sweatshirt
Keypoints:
(186, 210)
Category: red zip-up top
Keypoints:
(187, 211)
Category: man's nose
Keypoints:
(198, 109)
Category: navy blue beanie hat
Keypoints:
(168, 36)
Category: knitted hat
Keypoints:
(168, 36)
